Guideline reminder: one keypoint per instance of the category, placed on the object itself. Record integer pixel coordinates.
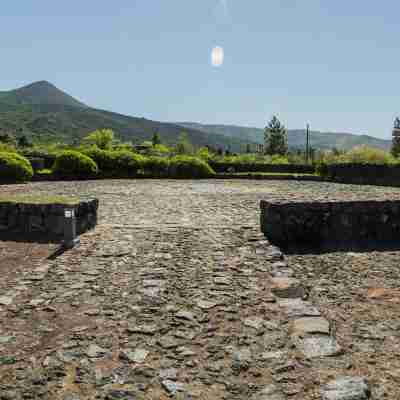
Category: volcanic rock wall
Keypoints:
(44, 222)
(331, 224)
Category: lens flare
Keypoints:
(217, 56)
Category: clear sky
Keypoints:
(332, 63)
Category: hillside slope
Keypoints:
(41, 92)
(49, 123)
(43, 112)
(296, 137)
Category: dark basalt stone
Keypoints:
(44, 222)
(331, 224)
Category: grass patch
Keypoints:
(39, 199)
(44, 172)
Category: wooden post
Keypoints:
(307, 143)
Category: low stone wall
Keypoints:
(331, 224)
(37, 163)
(271, 177)
(44, 222)
(221, 167)
(363, 174)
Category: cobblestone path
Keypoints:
(175, 294)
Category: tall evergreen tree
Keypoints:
(23, 141)
(156, 138)
(395, 150)
(275, 138)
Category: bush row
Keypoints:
(125, 164)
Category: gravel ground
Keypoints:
(177, 294)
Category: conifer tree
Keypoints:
(275, 138)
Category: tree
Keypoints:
(156, 138)
(184, 146)
(23, 141)
(395, 150)
(102, 138)
(275, 138)
(248, 148)
(204, 153)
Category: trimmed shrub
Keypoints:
(14, 168)
(189, 167)
(156, 166)
(359, 155)
(116, 164)
(103, 158)
(72, 164)
(367, 155)
(127, 164)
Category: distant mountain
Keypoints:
(296, 137)
(41, 92)
(41, 111)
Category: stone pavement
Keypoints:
(175, 294)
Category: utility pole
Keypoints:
(307, 142)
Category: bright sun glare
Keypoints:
(217, 56)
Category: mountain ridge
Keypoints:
(43, 112)
(296, 137)
(40, 92)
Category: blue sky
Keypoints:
(334, 64)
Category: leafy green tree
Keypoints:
(102, 138)
(248, 148)
(184, 146)
(275, 138)
(6, 138)
(204, 153)
(156, 138)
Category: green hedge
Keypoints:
(103, 158)
(127, 164)
(157, 167)
(14, 168)
(189, 167)
(72, 164)
(116, 164)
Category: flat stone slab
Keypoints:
(306, 325)
(298, 308)
(270, 392)
(346, 388)
(317, 346)
(287, 288)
